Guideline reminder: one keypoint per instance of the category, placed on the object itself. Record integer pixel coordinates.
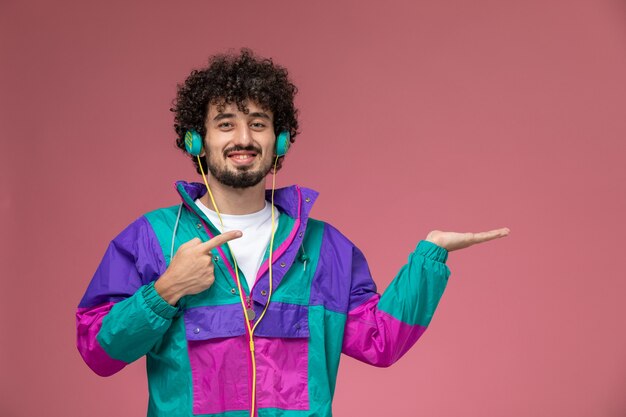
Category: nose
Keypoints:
(244, 137)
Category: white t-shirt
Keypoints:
(250, 248)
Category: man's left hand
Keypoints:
(453, 240)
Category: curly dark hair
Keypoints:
(231, 78)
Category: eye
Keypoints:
(257, 125)
(225, 125)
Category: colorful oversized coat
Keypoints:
(324, 303)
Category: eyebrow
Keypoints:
(260, 114)
(221, 116)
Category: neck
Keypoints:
(236, 201)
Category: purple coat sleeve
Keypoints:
(121, 315)
(380, 329)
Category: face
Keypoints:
(239, 146)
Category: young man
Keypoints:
(240, 309)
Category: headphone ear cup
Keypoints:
(282, 143)
(193, 142)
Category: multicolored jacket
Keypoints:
(324, 303)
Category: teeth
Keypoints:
(242, 157)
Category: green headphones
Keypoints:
(193, 143)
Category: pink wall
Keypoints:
(455, 115)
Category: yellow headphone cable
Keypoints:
(251, 329)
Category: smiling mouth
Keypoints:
(238, 155)
(242, 157)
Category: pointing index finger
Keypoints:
(220, 240)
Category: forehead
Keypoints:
(250, 107)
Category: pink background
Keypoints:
(452, 115)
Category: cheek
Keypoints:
(214, 150)
(271, 146)
(213, 158)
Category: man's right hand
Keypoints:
(191, 269)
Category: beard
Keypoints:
(241, 177)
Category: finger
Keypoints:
(490, 235)
(220, 240)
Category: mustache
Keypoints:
(235, 148)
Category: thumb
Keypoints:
(191, 243)
(220, 240)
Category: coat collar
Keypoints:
(295, 201)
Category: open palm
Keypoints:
(453, 240)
